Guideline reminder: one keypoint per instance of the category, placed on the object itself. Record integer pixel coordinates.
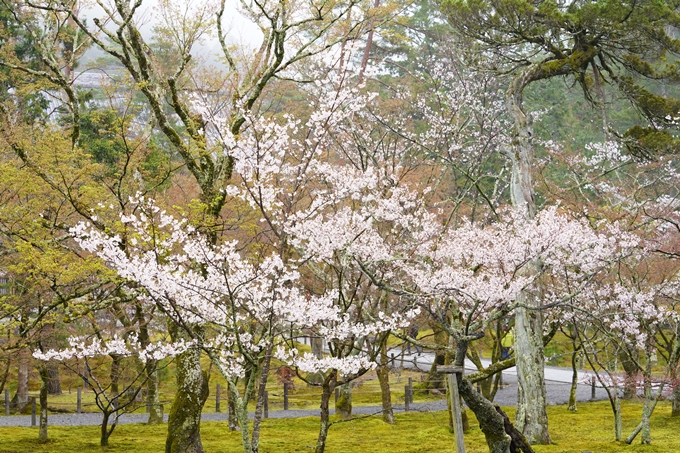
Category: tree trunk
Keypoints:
(675, 398)
(241, 413)
(531, 417)
(105, 433)
(259, 405)
(343, 408)
(651, 398)
(327, 390)
(500, 435)
(152, 396)
(232, 419)
(488, 386)
(44, 387)
(574, 380)
(184, 420)
(317, 347)
(115, 380)
(628, 358)
(383, 372)
(20, 399)
(618, 422)
(367, 49)
(436, 380)
(5, 373)
(53, 382)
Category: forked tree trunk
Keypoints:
(501, 436)
(651, 398)
(184, 420)
(105, 430)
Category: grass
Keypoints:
(590, 429)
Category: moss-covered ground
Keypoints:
(590, 429)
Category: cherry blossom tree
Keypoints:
(248, 307)
(84, 358)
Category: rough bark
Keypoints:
(232, 419)
(618, 423)
(44, 389)
(327, 388)
(383, 372)
(488, 386)
(259, 405)
(531, 417)
(184, 420)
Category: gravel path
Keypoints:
(557, 393)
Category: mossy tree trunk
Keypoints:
(105, 430)
(343, 407)
(500, 435)
(184, 419)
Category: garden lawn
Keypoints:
(590, 429)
